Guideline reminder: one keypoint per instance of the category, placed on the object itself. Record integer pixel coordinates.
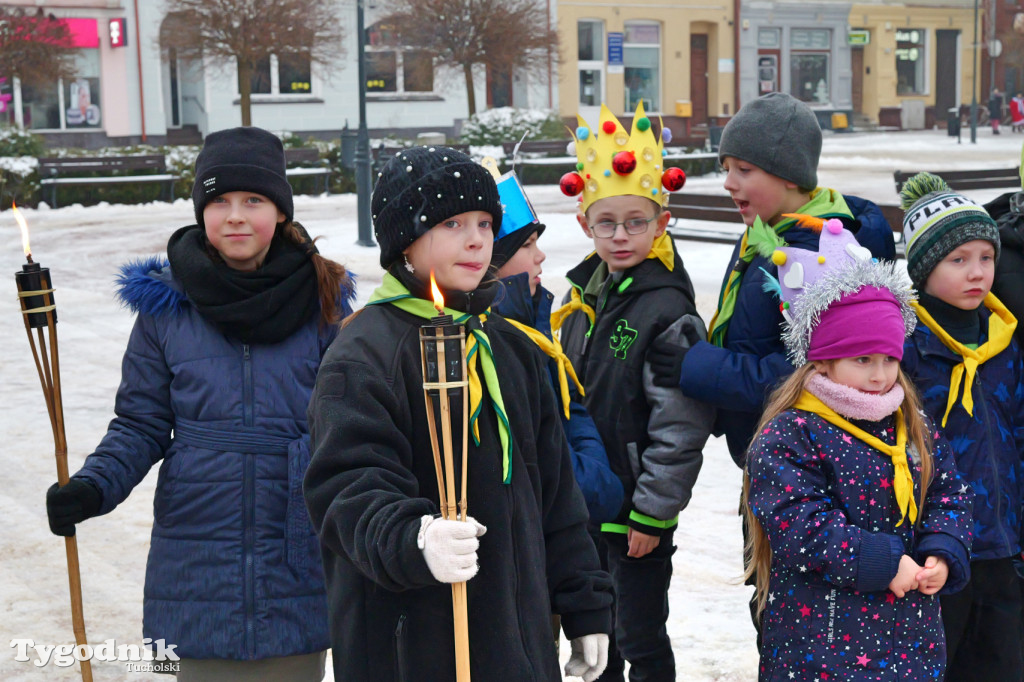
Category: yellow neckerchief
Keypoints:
(662, 248)
(902, 481)
(553, 349)
(1001, 324)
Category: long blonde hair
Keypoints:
(758, 551)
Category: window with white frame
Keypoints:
(810, 54)
(72, 103)
(391, 67)
(590, 61)
(641, 56)
(284, 74)
(910, 64)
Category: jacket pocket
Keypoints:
(300, 537)
(401, 650)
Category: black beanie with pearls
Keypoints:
(423, 186)
(242, 160)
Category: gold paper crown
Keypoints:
(612, 162)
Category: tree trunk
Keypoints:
(467, 69)
(245, 90)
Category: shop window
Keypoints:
(285, 74)
(641, 56)
(809, 62)
(910, 62)
(41, 103)
(392, 68)
(590, 61)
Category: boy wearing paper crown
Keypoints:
(630, 291)
(969, 370)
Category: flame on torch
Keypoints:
(24, 231)
(436, 293)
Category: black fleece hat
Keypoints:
(422, 186)
(242, 160)
(506, 247)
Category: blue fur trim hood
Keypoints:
(147, 287)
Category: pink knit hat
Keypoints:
(865, 322)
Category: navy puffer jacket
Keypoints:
(234, 564)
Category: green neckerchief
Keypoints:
(824, 203)
(394, 292)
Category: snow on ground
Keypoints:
(709, 622)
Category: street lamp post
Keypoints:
(974, 79)
(362, 156)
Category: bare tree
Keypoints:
(34, 46)
(248, 32)
(502, 35)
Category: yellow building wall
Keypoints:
(880, 54)
(678, 21)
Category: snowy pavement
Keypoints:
(83, 247)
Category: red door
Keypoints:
(699, 76)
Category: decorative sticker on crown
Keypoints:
(611, 162)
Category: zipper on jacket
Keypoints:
(401, 649)
(248, 509)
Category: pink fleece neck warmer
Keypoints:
(852, 403)
(864, 322)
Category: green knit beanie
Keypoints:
(938, 220)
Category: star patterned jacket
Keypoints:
(825, 499)
(988, 445)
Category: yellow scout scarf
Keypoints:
(662, 249)
(553, 349)
(903, 482)
(1001, 324)
(477, 346)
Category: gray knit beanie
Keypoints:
(421, 186)
(777, 133)
(938, 220)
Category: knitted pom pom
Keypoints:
(921, 184)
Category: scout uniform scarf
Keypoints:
(1001, 324)
(553, 349)
(903, 482)
(478, 347)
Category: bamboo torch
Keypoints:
(35, 292)
(443, 352)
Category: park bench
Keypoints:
(381, 154)
(102, 170)
(987, 178)
(305, 162)
(719, 208)
(537, 147)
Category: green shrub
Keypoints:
(19, 176)
(507, 124)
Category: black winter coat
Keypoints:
(654, 436)
(1008, 285)
(372, 478)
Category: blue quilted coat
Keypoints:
(826, 501)
(989, 445)
(234, 563)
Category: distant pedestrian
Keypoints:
(995, 109)
(1017, 113)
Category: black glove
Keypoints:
(666, 356)
(74, 503)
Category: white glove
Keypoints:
(589, 657)
(450, 547)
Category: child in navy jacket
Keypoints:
(969, 370)
(214, 386)
(857, 514)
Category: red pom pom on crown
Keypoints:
(624, 163)
(571, 184)
(673, 179)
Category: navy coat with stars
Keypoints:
(988, 445)
(826, 501)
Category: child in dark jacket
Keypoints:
(770, 152)
(857, 514)
(372, 489)
(970, 373)
(527, 304)
(632, 290)
(234, 578)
